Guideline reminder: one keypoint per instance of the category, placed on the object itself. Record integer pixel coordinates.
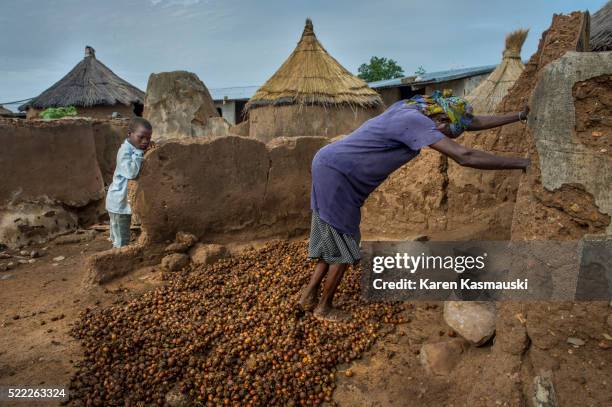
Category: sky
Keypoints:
(242, 43)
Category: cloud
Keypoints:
(172, 3)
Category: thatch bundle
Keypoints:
(486, 96)
(601, 29)
(90, 83)
(311, 94)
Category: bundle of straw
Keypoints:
(490, 92)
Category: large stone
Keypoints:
(203, 254)
(473, 320)
(178, 105)
(566, 193)
(175, 261)
(440, 358)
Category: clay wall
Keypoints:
(55, 161)
(226, 189)
(269, 122)
(54, 173)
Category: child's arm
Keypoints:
(129, 162)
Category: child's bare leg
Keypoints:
(310, 295)
(325, 309)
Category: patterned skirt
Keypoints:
(330, 245)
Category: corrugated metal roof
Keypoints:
(434, 77)
(234, 93)
(245, 92)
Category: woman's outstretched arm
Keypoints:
(468, 157)
(489, 122)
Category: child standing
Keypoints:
(129, 160)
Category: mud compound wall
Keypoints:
(269, 122)
(49, 160)
(566, 193)
(227, 189)
(412, 200)
(449, 197)
(53, 174)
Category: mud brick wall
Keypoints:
(226, 189)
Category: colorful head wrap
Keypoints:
(458, 110)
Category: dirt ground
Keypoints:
(41, 301)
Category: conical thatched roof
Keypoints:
(311, 76)
(487, 95)
(89, 83)
(601, 29)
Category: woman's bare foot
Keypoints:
(333, 314)
(308, 299)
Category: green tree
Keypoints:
(380, 68)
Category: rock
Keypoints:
(186, 238)
(176, 248)
(24, 253)
(59, 258)
(543, 391)
(32, 261)
(175, 261)
(22, 261)
(440, 358)
(178, 105)
(207, 253)
(474, 321)
(10, 265)
(34, 254)
(575, 341)
(3, 267)
(5, 256)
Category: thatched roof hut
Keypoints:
(601, 29)
(486, 96)
(93, 89)
(311, 94)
